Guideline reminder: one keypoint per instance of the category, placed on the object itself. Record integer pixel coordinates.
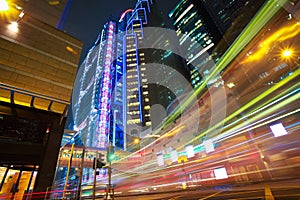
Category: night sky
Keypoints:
(87, 17)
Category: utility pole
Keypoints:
(95, 174)
(98, 164)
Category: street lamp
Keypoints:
(287, 53)
(12, 14)
(9, 10)
(4, 5)
(136, 140)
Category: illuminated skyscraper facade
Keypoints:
(149, 84)
(206, 29)
(114, 94)
(230, 17)
(94, 83)
(190, 22)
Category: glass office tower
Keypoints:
(151, 70)
(207, 28)
(114, 94)
(193, 28)
(92, 97)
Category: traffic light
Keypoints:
(110, 153)
(100, 162)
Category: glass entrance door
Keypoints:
(16, 184)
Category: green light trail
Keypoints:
(257, 23)
(266, 112)
(269, 121)
(251, 103)
(268, 103)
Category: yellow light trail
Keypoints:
(282, 34)
(258, 110)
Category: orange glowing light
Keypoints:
(136, 140)
(266, 46)
(71, 50)
(174, 131)
(9, 11)
(52, 3)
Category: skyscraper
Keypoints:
(207, 28)
(192, 27)
(230, 17)
(149, 63)
(118, 83)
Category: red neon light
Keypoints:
(125, 12)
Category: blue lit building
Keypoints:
(92, 97)
(113, 95)
(148, 85)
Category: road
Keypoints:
(283, 191)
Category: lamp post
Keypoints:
(110, 156)
(78, 194)
(95, 175)
(68, 171)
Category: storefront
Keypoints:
(17, 182)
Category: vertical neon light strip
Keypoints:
(104, 117)
(124, 93)
(62, 20)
